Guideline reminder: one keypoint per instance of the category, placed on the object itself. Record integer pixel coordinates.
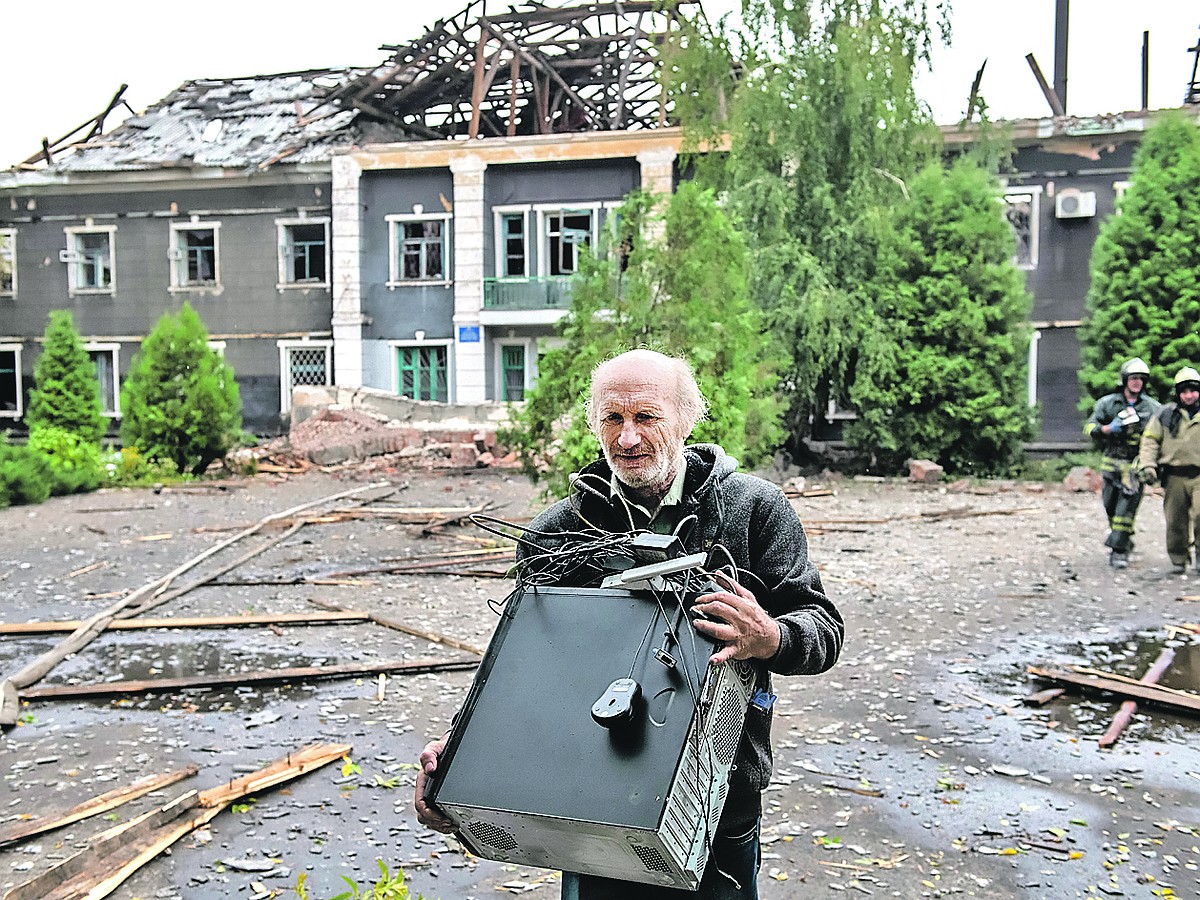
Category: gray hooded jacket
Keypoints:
(754, 521)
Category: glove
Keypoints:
(1148, 475)
(1114, 427)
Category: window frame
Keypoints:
(285, 379)
(19, 383)
(395, 221)
(446, 345)
(529, 351)
(11, 253)
(500, 241)
(114, 349)
(1035, 214)
(75, 259)
(544, 212)
(282, 227)
(177, 256)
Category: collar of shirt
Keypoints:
(674, 496)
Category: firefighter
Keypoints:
(1116, 427)
(1170, 452)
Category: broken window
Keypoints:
(1021, 209)
(90, 259)
(303, 252)
(10, 381)
(193, 255)
(8, 262)
(513, 259)
(423, 373)
(419, 248)
(106, 357)
(566, 232)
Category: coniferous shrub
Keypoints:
(180, 402)
(1144, 298)
(75, 464)
(24, 476)
(65, 393)
(945, 378)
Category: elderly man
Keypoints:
(642, 407)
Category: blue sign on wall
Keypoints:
(468, 334)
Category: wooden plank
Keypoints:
(1175, 699)
(309, 673)
(1129, 707)
(111, 857)
(409, 629)
(326, 618)
(21, 829)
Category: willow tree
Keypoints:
(1144, 298)
(823, 128)
(673, 280)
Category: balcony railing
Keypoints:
(527, 293)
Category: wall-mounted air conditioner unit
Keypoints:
(1072, 203)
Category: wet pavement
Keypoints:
(910, 770)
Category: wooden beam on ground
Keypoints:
(409, 629)
(267, 676)
(114, 855)
(1041, 698)
(325, 618)
(91, 629)
(1129, 707)
(1178, 700)
(24, 828)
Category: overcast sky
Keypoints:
(62, 61)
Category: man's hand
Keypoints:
(1112, 427)
(1148, 475)
(747, 630)
(427, 815)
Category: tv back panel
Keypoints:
(530, 776)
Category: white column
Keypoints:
(348, 319)
(658, 178)
(470, 379)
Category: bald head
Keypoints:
(671, 376)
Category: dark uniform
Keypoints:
(1122, 491)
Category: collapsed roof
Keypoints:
(533, 69)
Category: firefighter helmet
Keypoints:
(1134, 366)
(1187, 376)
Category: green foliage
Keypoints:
(683, 292)
(825, 130)
(180, 401)
(128, 468)
(949, 383)
(1144, 298)
(65, 394)
(1055, 468)
(386, 887)
(24, 475)
(75, 464)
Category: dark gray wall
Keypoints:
(247, 303)
(396, 313)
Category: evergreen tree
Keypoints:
(1144, 298)
(824, 131)
(66, 393)
(675, 283)
(950, 383)
(180, 402)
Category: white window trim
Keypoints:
(11, 234)
(115, 350)
(285, 396)
(500, 252)
(448, 343)
(545, 210)
(1035, 222)
(530, 347)
(178, 264)
(1032, 381)
(281, 227)
(20, 410)
(1119, 189)
(72, 232)
(217, 347)
(393, 222)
